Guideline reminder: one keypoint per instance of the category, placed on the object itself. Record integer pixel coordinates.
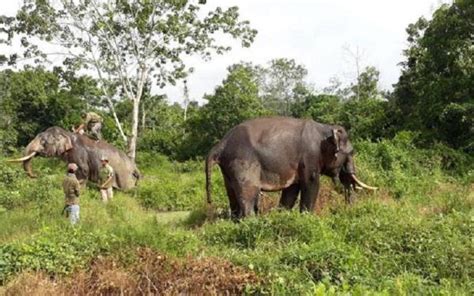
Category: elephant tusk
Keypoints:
(22, 158)
(362, 184)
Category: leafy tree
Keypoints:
(278, 82)
(369, 118)
(367, 84)
(365, 112)
(163, 130)
(336, 88)
(233, 102)
(35, 99)
(324, 108)
(126, 43)
(436, 88)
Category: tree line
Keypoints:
(432, 98)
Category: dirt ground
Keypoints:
(151, 273)
(327, 198)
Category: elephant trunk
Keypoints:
(30, 151)
(28, 168)
(27, 159)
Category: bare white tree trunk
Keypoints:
(358, 56)
(132, 144)
(143, 118)
(116, 119)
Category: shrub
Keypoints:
(54, 250)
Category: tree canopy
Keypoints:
(125, 43)
(435, 91)
(130, 47)
(234, 101)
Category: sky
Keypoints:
(316, 33)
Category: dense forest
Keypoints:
(415, 142)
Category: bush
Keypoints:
(55, 250)
(367, 247)
(10, 185)
(170, 185)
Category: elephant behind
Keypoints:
(281, 153)
(85, 152)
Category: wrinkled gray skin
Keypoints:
(86, 153)
(280, 153)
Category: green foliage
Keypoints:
(366, 118)
(163, 129)
(366, 247)
(366, 86)
(413, 235)
(17, 190)
(279, 83)
(435, 90)
(55, 250)
(35, 99)
(235, 101)
(176, 186)
(10, 184)
(150, 37)
(321, 108)
(406, 169)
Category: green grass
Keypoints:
(414, 236)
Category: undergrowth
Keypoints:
(413, 236)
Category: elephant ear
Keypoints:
(64, 144)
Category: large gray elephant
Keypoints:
(85, 152)
(281, 153)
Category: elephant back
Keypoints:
(126, 172)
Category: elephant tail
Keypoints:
(211, 160)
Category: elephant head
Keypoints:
(86, 153)
(54, 142)
(338, 153)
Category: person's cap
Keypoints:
(104, 157)
(72, 167)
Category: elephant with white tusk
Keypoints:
(86, 153)
(281, 153)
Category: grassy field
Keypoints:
(413, 236)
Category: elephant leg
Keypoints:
(247, 196)
(255, 206)
(309, 192)
(289, 196)
(233, 203)
(244, 179)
